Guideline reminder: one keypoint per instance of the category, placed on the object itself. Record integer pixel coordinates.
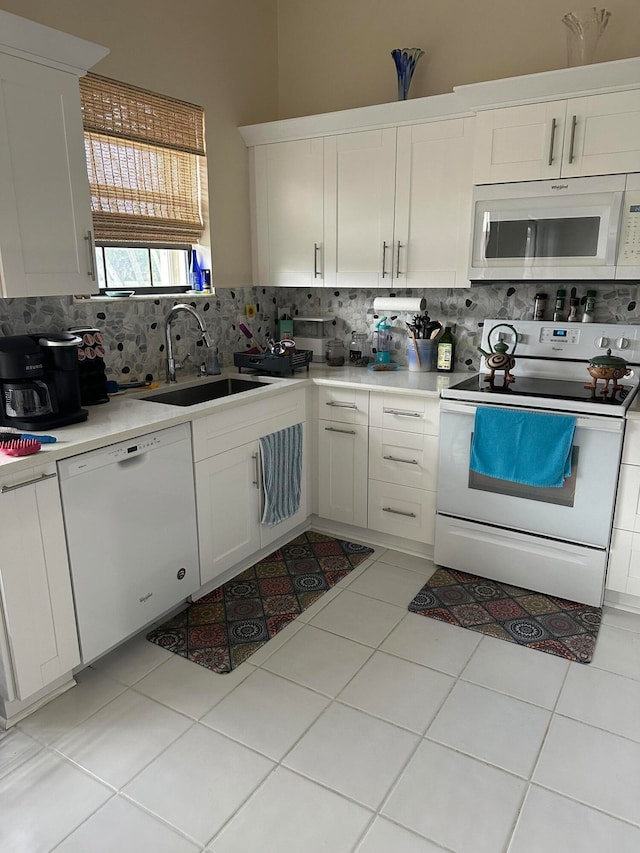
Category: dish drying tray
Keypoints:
(276, 365)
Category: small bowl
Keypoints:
(119, 293)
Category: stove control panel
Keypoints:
(566, 341)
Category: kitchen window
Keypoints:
(147, 174)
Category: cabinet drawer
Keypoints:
(404, 458)
(346, 405)
(405, 413)
(238, 425)
(402, 511)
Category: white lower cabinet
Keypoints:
(342, 472)
(377, 469)
(623, 573)
(228, 501)
(403, 461)
(39, 644)
(229, 492)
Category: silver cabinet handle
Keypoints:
(341, 405)
(317, 272)
(385, 246)
(33, 482)
(396, 459)
(401, 413)
(554, 125)
(398, 512)
(574, 122)
(92, 255)
(398, 259)
(345, 431)
(256, 470)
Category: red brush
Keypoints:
(20, 447)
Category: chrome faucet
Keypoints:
(171, 362)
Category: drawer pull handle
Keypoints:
(396, 459)
(398, 512)
(33, 482)
(345, 431)
(401, 413)
(341, 405)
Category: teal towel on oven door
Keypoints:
(533, 448)
(281, 454)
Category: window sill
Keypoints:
(99, 297)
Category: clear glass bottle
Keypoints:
(358, 347)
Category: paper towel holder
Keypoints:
(396, 304)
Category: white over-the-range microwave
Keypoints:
(565, 229)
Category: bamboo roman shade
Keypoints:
(144, 155)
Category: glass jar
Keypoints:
(358, 348)
(335, 354)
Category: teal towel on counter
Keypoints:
(533, 448)
(281, 454)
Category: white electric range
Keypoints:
(553, 540)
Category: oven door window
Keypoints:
(564, 496)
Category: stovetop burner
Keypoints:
(551, 389)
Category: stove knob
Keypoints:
(602, 342)
(622, 343)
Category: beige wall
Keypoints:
(220, 54)
(334, 54)
(249, 61)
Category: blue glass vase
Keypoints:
(406, 59)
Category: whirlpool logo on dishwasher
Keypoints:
(145, 598)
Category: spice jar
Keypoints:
(539, 306)
(573, 309)
(589, 307)
(335, 353)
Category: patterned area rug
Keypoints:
(225, 627)
(541, 622)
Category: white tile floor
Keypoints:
(361, 727)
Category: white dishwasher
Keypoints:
(130, 519)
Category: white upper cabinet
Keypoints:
(433, 204)
(360, 170)
(287, 213)
(595, 135)
(45, 216)
(388, 207)
(397, 205)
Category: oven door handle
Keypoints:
(598, 422)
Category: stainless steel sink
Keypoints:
(206, 391)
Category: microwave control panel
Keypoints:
(629, 249)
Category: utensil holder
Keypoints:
(427, 350)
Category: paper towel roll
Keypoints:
(396, 304)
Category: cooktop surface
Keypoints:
(549, 389)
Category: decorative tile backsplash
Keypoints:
(134, 328)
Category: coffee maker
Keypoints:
(39, 381)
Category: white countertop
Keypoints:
(128, 415)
